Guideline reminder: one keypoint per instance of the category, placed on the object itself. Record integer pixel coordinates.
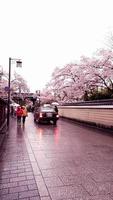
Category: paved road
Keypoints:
(63, 162)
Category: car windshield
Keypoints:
(47, 109)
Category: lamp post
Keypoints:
(19, 64)
(39, 97)
(1, 72)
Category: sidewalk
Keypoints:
(17, 177)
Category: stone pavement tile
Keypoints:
(3, 176)
(17, 164)
(56, 172)
(35, 198)
(32, 158)
(111, 196)
(41, 186)
(4, 191)
(45, 164)
(8, 185)
(25, 199)
(17, 171)
(105, 188)
(21, 178)
(28, 194)
(8, 168)
(53, 182)
(90, 186)
(25, 174)
(5, 180)
(97, 188)
(18, 189)
(30, 177)
(71, 179)
(26, 182)
(29, 149)
(13, 196)
(102, 177)
(23, 167)
(67, 192)
(100, 197)
(28, 169)
(32, 187)
(111, 187)
(4, 173)
(81, 169)
(45, 198)
(35, 168)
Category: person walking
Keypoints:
(19, 114)
(56, 109)
(24, 114)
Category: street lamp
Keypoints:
(19, 64)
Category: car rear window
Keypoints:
(47, 109)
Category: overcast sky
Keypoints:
(50, 33)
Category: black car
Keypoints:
(46, 114)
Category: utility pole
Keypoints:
(19, 63)
(9, 93)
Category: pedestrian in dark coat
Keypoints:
(56, 109)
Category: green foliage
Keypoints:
(102, 94)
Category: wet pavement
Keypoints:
(63, 162)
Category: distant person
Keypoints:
(19, 113)
(56, 109)
(12, 110)
(25, 114)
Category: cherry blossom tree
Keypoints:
(66, 84)
(99, 70)
(47, 95)
(18, 84)
(74, 80)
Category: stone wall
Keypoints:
(101, 115)
(3, 117)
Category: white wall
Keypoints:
(100, 115)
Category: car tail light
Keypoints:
(41, 115)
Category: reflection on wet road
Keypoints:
(48, 130)
(66, 134)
